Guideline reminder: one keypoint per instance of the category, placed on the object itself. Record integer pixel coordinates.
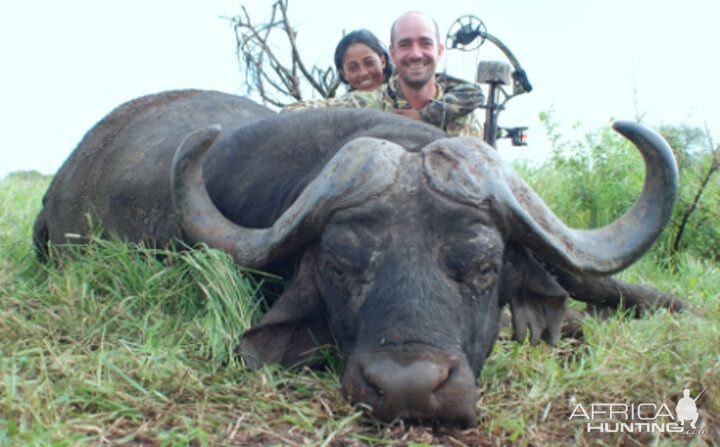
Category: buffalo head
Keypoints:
(408, 257)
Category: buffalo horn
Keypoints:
(362, 168)
(472, 172)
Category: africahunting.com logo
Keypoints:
(641, 418)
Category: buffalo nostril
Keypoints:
(430, 388)
(416, 381)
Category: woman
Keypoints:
(362, 61)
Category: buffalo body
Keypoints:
(409, 242)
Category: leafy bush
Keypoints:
(592, 181)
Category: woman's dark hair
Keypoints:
(364, 37)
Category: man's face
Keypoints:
(415, 50)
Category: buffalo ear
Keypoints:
(294, 328)
(537, 301)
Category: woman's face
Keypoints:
(362, 67)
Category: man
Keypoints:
(415, 90)
(686, 409)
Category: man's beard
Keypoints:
(416, 83)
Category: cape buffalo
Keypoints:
(409, 242)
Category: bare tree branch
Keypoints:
(712, 169)
(271, 60)
(296, 59)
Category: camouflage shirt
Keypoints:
(451, 110)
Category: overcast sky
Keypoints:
(65, 64)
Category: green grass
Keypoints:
(128, 345)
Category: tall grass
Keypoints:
(123, 344)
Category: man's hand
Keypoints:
(410, 113)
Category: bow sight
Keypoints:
(468, 33)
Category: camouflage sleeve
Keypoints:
(317, 103)
(353, 100)
(459, 99)
(308, 104)
(466, 125)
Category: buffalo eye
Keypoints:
(459, 263)
(334, 270)
(339, 270)
(468, 267)
(345, 254)
(484, 278)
